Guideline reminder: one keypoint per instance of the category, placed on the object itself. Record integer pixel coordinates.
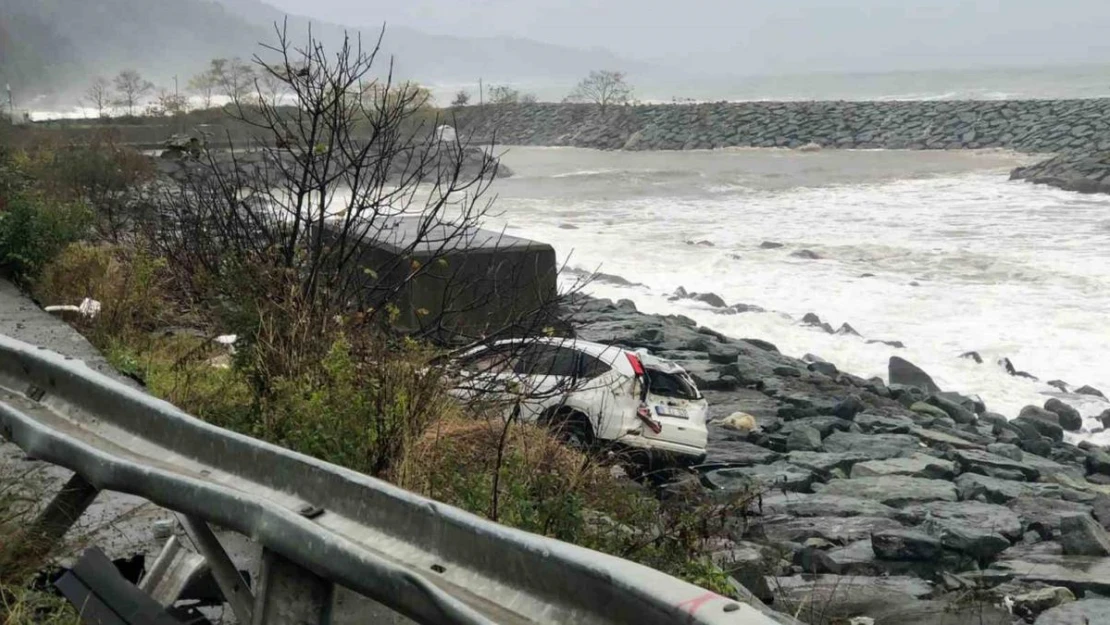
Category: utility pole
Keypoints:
(11, 102)
(481, 96)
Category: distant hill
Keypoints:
(57, 46)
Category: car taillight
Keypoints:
(637, 366)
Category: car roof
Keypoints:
(609, 354)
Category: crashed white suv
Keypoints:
(592, 393)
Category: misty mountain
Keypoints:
(58, 46)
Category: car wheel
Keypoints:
(574, 430)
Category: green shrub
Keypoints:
(129, 283)
(33, 229)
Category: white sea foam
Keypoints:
(963, 260)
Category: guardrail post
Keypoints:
(232, 585)
(54, 521)
(290, 595)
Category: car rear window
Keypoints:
(590, 367)
(671, 385)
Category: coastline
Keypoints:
(871, 482)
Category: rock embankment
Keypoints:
(889, 499)
(1085, 172)
(1034, 126)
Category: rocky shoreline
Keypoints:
(887, 499)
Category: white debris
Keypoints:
(861, 620)
(228, 341)
(89, 308)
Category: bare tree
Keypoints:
(131, 88)
(602, 87)
(462, 98)
(99, 95)
(233, 78)
(169, 103)
(204, 85)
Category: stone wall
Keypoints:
(1036, 126)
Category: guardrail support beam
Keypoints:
(290, 595)
(231, 583)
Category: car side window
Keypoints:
(544, 360)
(590, 367)
(494, 360)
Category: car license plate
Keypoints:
(671, 411)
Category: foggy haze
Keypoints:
(757, 36)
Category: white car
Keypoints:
(592, 393)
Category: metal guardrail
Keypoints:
(320, 524)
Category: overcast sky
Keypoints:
(769, 36)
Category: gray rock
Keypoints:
(771, 245)
(1044, 514)
(928, 409)
(824, 425)
(1030, 604)
(955, 411)
(905, 372)
(905, 545)
(742, 453)
(1089, 390)
(893, 490)
(723, 354)
(759, 478)
(973, 356)
(1006, 450)
(824, 464)
(798, 504)
(975, 461)
(1070, 419)
(836, 530)
(1098, 461)
(747, 563)
(876, 446)
(991, 518)
(917, 465)
(849, 407)
(802, 505)
(825, 368)
(807, 254)
(1042, 421)
(995, 490)
(804, 439)
(1093, 611)
(874, 423)
(1080, 574)
(978, 542)
(1083, 536)
(714, 300)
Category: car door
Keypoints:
(547, 373)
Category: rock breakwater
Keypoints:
(1035, 126)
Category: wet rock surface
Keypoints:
(905, 495)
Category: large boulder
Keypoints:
(893, 490)
(826, 465)
(759, 478)
(803, 505)
(979, 542)
(875, 446)
(954, 410)
(1083, 536)
(917, 465)
(986, 463)
(1042, 422)
(973, 486)
(1069, 417)
(904, 372)
(903, 544)
(836, 530)
(986, 517)
(804, 439)
(1044, 515)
